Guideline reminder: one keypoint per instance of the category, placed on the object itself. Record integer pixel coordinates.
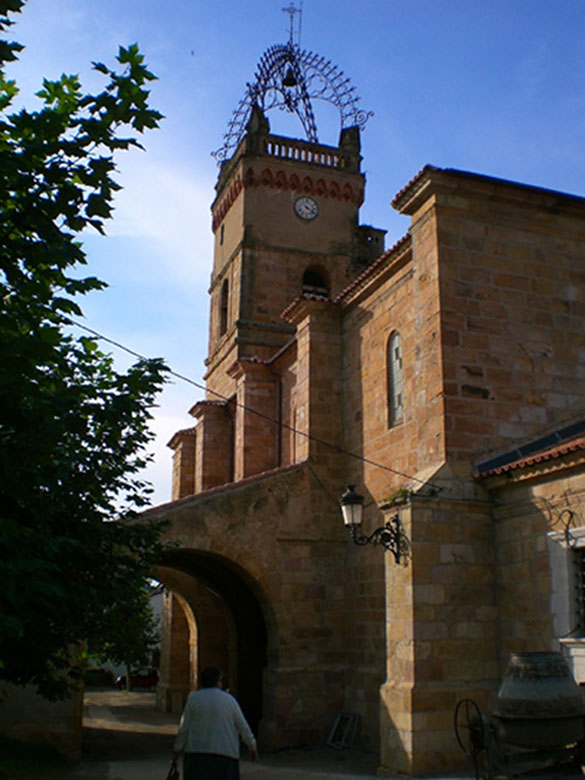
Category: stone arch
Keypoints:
(249, 179)
(178, 662)
(235, 627)
(321, 187)
(294, 183)
(280, 180)
(266, 177)
(348, 193)
(334, 190)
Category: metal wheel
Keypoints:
(470, 731)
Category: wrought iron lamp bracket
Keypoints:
(390, 536)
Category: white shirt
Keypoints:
(211, 722)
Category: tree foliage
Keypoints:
(133, 633)
(72, 428)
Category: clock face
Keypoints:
(306, 207)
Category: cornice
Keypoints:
(412, 189)
(225, 203)
(179, 436)
(432, 179)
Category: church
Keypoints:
(435, 388)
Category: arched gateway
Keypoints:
(215, 617)
(254, 587)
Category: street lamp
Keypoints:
(390, 536)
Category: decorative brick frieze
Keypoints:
(225, 204)
(271, 178)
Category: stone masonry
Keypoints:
(487, 295)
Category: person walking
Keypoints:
(209, 732)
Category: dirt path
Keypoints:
(118, 725)
(126, 727)
(127, 738)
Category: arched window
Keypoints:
(314, 282)
(223, 307)
(394, 368)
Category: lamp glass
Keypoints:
(352, 514)
(351, 506)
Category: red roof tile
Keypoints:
(552, 453)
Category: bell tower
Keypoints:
(286, 212)
(287, 235)
(285, 220)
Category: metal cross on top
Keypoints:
(292, 11)
(289, 78)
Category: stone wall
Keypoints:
(539, 512)
(441, 632)
(383, 304)
(27, 717)
(510, 263)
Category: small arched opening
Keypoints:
(315, 281)
(395, 380)
(224, 307)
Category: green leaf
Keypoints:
(98, 206)
(73, 430)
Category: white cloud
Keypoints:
(171, 417)
(167, 206)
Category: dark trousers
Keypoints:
(209, 766)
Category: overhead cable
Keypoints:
(263, 416)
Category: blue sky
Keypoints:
(493, 87)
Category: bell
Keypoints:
(289, 80)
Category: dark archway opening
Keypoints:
(315, 282)
(251, 649)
